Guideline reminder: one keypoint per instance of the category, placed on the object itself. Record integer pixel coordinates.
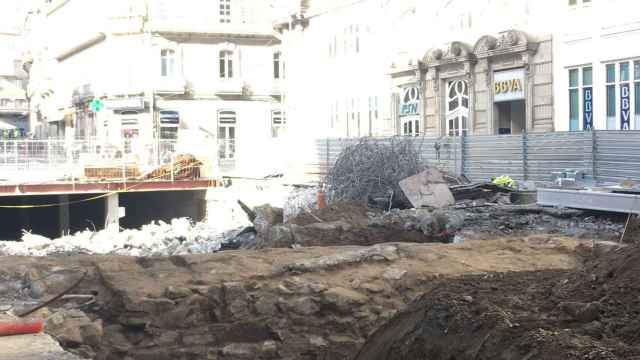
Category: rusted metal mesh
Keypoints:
(369, 171)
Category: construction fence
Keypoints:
(608, 156)
(47, 160)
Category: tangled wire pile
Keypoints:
(369, 171)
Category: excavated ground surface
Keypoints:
(592, 313)
(307, 303)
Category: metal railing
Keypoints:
(51, 160)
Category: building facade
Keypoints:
(597, 66)
(14, 122)
(205, 75)
(487, 68)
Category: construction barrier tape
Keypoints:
(126, 189)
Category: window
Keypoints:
(581, 88)
(457, 108)
(276, 65)
(225, 11)
(226, 64)
(169, 124)
(357, 39)
(167, 60)
(21, 104)
(278, 122)
(623, 95)
(575, 2)
(410, 111)
(5, 102)
(226, 134)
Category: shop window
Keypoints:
(167, 62)
(278, 123)
(226, 134)
(581, 98)
(623, 88)
(226, 64)
(457, 116)
(225, 11)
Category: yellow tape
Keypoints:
(126, 189)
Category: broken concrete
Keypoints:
(427, 189)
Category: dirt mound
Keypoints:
(591, 313)
(353, 214)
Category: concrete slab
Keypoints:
(32, 347)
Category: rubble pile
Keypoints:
(369, 172)
(178, 237)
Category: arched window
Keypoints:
(226, 64)
(457, 107)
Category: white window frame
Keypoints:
(227, 119)
(278, 122)
(167, 62)
(225, 64)
(461, 112)
(634, 107)
(225, 11)
(580, 89)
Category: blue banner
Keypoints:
(625, 107)
(587, 106)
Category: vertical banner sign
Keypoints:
(587, 106)
(625, 107)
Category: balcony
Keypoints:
(8, 106)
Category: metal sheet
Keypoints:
(591, 200)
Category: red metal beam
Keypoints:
(104, 187)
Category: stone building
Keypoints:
(500, 85)
(492, 73)
(203, 74)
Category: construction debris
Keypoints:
(369, 172)
(183, 167)
(427, 189)
(178, 237)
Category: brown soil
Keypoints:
(308, 303)
(351, 213)
(592, 313)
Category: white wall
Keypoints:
(594, 34)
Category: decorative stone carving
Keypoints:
(508, 39)
(486, 43)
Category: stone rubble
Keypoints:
(179, 237)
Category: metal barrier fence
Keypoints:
(602, 155)
(47, 160)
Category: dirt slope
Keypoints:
(592, 313)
